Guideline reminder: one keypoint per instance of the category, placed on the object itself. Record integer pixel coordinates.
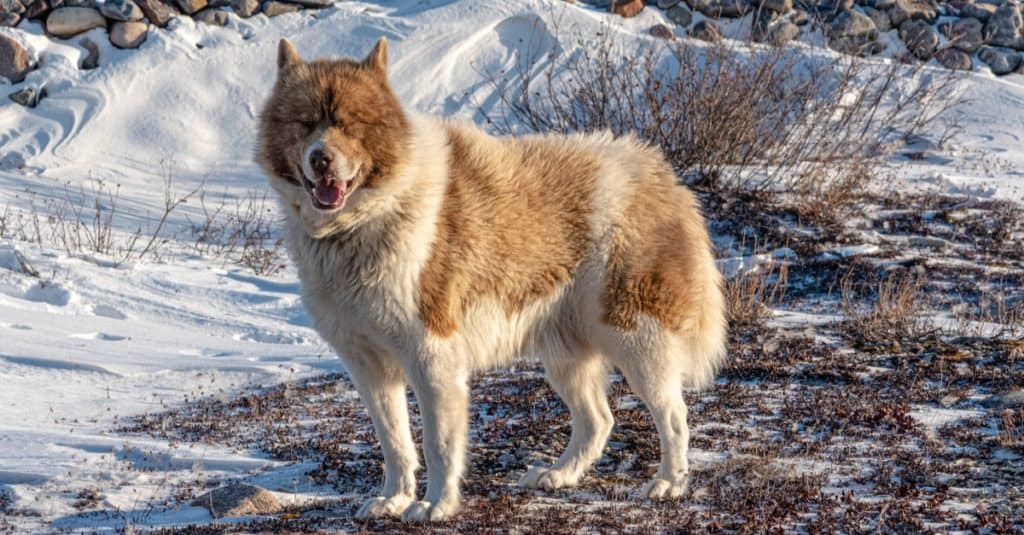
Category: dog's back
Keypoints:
(429, 250)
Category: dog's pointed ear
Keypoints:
(378, 58)
(287, 56)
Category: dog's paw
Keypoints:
(661, 489)
(538, 477)
(424, 511)
(380, 506)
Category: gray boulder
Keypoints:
(721, 8)
(1000, 60)
(921, 39)
(245, 8)
(239, 499)
(851, 23)
(28, 97)
(905, 10)
(661, 31)
(37, 9)
(980, 10)
(158, 12)
(212, 17)
(782, 32)
(14, 60)
(705, 30)
(128, 34)
(1006, 27)
(778, 6)
(680, 15)
(965, 34)
(92, 57)
(191, 6)
(67, 22)
(954, 59)
(123, 10)
(318, 4)
(879, 17)
(10, 12)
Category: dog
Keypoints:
(429, 250)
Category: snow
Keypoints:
(84, 339)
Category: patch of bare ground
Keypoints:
(893, 416)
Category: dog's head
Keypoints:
(330, 133)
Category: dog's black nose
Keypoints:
(319, 161)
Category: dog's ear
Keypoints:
(287, 56)
(378, 58)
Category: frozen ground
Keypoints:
(120, 381)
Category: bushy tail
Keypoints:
(706, 334)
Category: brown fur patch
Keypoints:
(348, 103)
(658, 259)
(512, 227)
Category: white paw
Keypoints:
(538, 477)
(660, 489)
(424, 511)
(380, 506)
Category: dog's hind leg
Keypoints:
(650, 360)
(380, 382)
(443, 395)
(581, 385)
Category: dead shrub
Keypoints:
(241, 230)
(893, 317)
(731, 117)
(750, 295)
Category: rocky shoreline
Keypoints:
(956, 34)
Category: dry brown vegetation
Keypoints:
(734, 117)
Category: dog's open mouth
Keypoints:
(329, 193)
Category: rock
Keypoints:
(782, 33)
(799, 17)
(826, 9)
(245, 8)
(274, 8)
(14, 60)
(239, 499)
(778, 6)
(625, 8)
(851, 23)
(879, 17)
(965, 34)
(706, 30)
(665, 4)
(123, 10)
(10, 12)
(190, 6)
(954, 59)
(128, 34)
(981, 11)
(680, 15)
(28, 96)
(1004, 27)
(92, 58)
(158, 12)
(721, 8)
(212, 17)
(36, 9)
(881, 5)
(67, 22)
(913, 10)
(1000, 60)
(661, 31)
(921, 39)
(316, 4)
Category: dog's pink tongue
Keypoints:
(327, 194)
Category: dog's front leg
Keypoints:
(380, 382)
(443, 395)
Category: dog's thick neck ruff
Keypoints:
(445, 251)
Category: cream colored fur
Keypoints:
(363, 298)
